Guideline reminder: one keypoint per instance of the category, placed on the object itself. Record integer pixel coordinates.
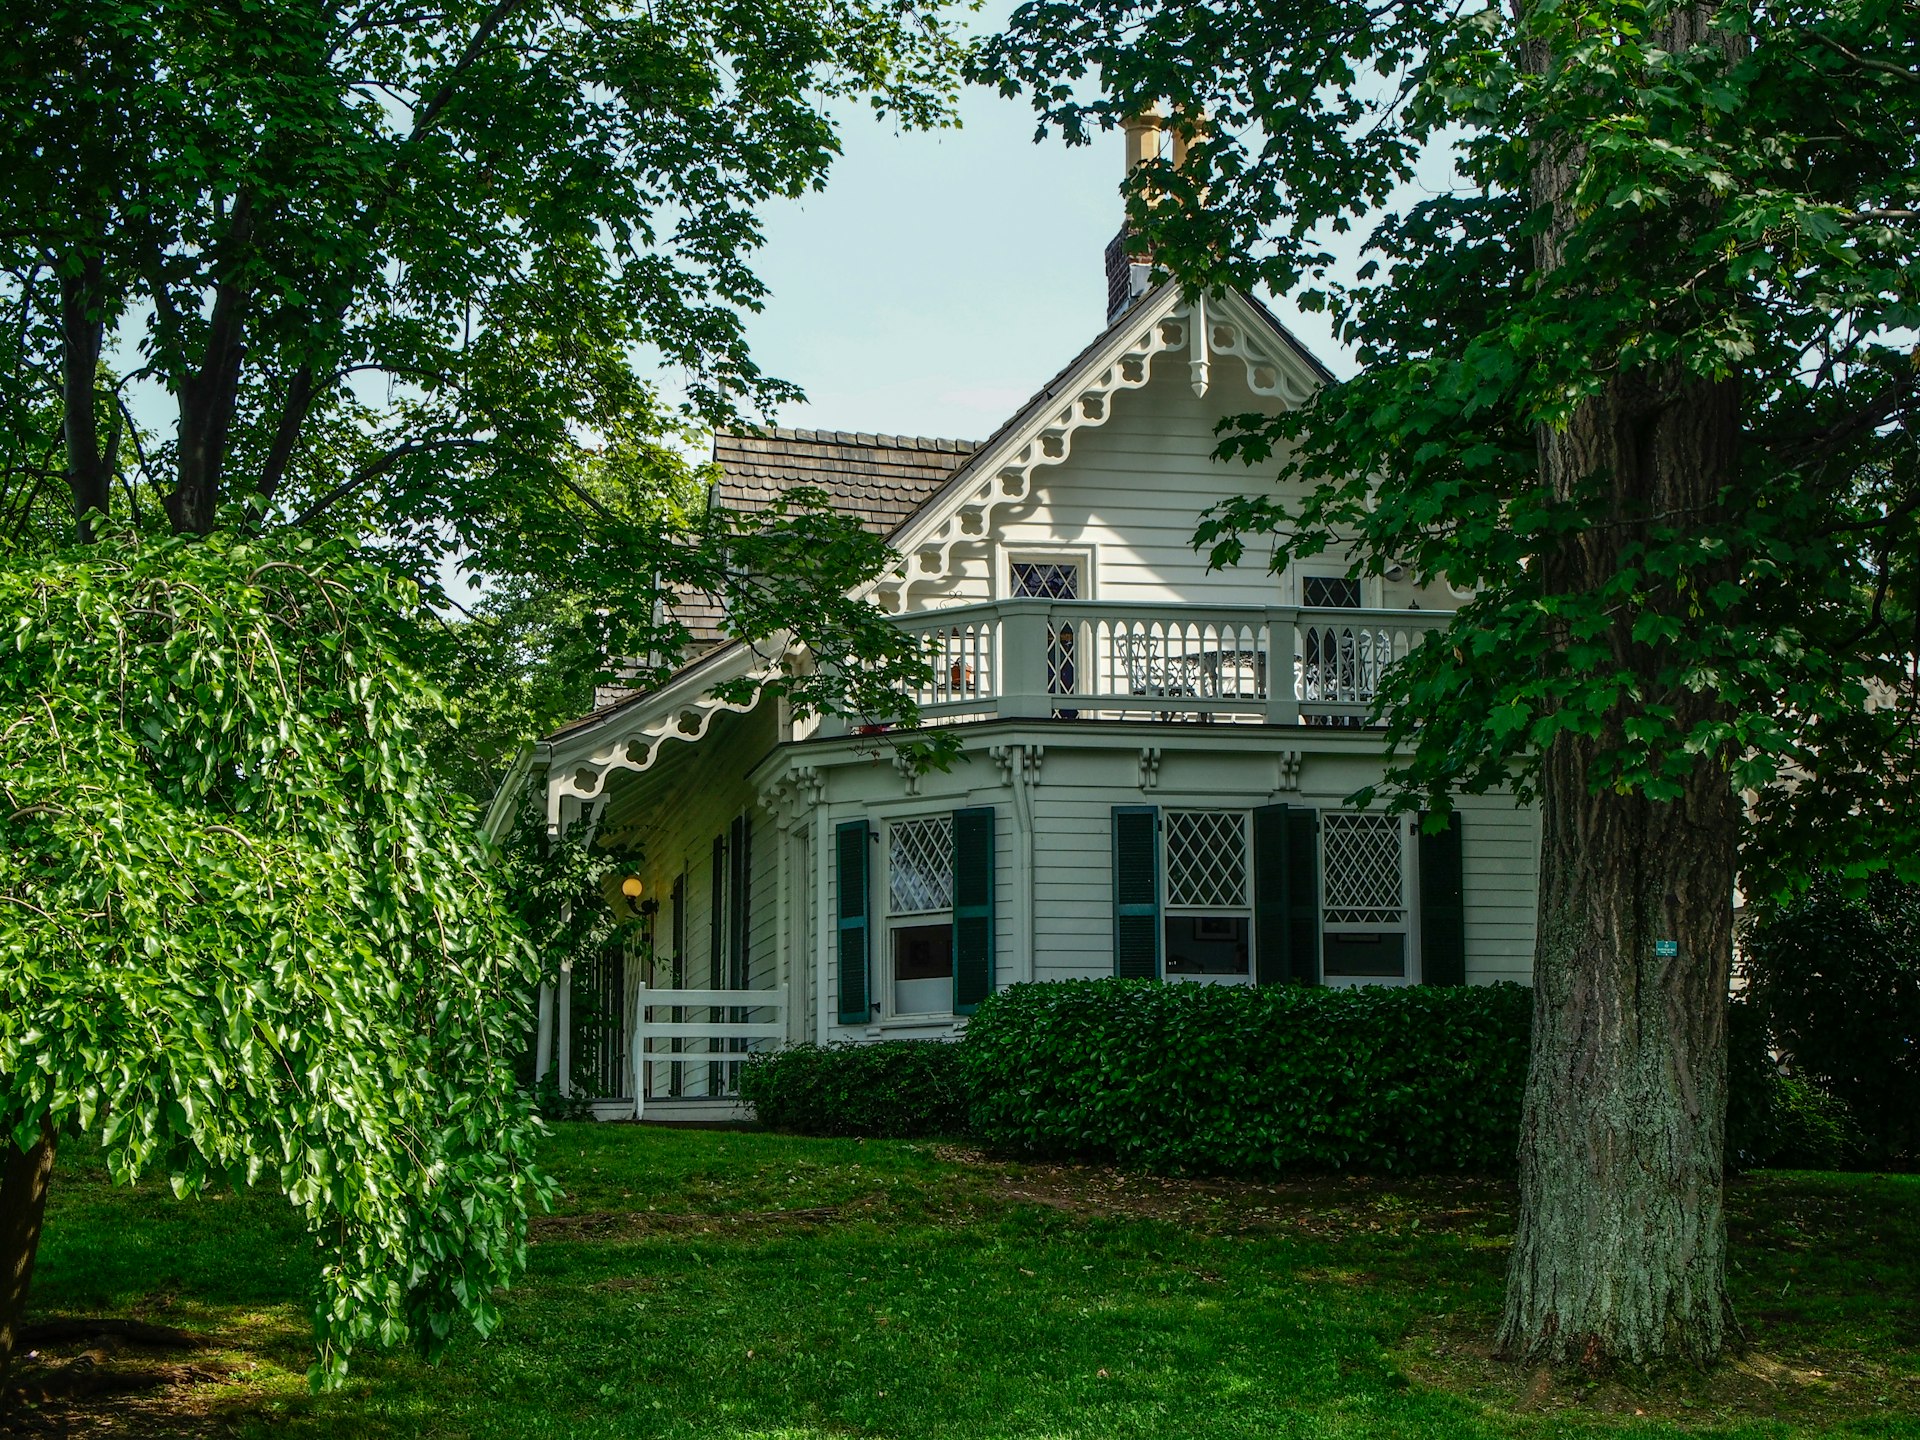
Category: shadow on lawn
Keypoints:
(1396, 1286)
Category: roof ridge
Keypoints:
(865, 438)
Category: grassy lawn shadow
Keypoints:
(733, 1285)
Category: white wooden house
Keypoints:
(1153, 762)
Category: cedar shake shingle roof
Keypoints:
(877, 479)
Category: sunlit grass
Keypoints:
(744, 1286)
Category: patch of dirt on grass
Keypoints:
(102, 1385)
(1328, 1207)
(588, 1226)
(1456, 1355)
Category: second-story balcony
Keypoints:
(1121, 660)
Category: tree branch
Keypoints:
(374, 469)
(1885, 67)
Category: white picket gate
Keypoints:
(715, 1032)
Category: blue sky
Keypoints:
(941, 278)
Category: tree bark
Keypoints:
(82, 326)
(1620, 1249)
(210, 396)
(1620, 1252)
(23, 1208)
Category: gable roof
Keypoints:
(1040, 432)
(923, 481)
(878, 480)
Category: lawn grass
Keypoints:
(732, 1285)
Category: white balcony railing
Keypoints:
(1106, 660)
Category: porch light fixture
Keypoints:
(631, 887)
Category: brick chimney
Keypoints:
(1149, 136)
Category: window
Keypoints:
(1045, 579)
(1330, 592)
(1339, 661)
(1036, 579)
(1364, 889)
(1208, 919)
(920, 914)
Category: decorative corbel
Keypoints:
(1149, 767)
(810, 783)
(1020, 762)
(1289, 769)
(909, 772)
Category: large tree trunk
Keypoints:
(89, 477)
(210, 396)
(23, 1209)
(1620, 1251)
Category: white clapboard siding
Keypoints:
(1131, 491)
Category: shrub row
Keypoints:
(1217, 1079)
(1190, 1078)
(1227, 1080)
(894, 1089)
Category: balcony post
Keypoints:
(1283, 638)
(1024, 630)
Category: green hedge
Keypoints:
(1776, 1120)
(891, 1089)
(1232, 1080)
(1833, 981)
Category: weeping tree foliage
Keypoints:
(398, 271)
(1635, 368)
(246, 937)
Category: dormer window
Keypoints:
(1045, 579)
(1330, 592)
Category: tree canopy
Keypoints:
(1740, 209)
(404, 271)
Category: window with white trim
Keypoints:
(920, 914)
(1208, 912)
(1366, 885)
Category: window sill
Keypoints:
(901, 1023)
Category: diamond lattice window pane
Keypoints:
(1330, 592)
(1362, 864)
(1046, 580)
(1207, 859)
(920, 865)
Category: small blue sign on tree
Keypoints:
(1666, 949)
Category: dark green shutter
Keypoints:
(1303, 894)
(1270, 961)
(717, 916)
(1443, 916)
(854, 864)
(1286, 895)
(972, 908)
(1136, 892)
(739, 902)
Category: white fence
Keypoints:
(704, 1052)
